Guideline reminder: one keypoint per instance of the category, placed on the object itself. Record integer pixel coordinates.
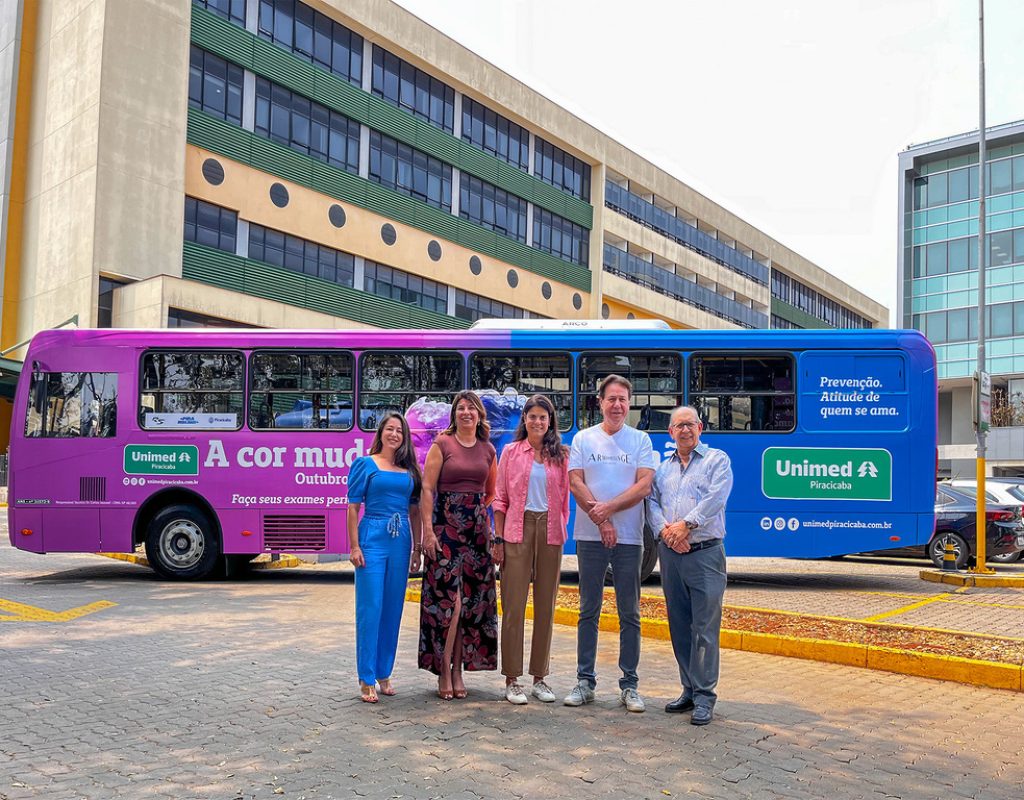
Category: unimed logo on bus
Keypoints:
(161, 459)
(826, 473)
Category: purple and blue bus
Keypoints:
(210, 447)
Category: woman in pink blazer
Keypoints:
(531, 511)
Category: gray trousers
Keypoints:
(694, 585)
(593, 559)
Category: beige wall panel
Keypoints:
(64, 153)
(659, 306)
(625, 228)
(75, 61)
(247, 191)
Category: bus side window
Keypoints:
(657, 386)
(199, 390)
(301, 391)
(72, 405)
(749, 392)
(395, 381)
(516, 375)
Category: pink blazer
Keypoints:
(510, 492)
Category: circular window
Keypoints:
(475, 266)
(336, 214)
(630, 315)
(213, 172)
(577, 301)
(434, 250)
(513, 278)
(605, 311)
(388, 234)
(278, 195)
(545, 289)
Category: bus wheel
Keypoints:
(181, 543)
(650, 557)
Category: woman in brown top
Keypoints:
(458, 612)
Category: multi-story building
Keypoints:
(938, 286)
(318, 163)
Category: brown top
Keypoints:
(463, 469)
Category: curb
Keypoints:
(285, 561)
(970, 671)
(969, 579)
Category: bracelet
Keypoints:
(497, 540)
(416, 548)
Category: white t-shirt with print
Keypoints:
(609, 464)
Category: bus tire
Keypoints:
(182, 543)
(649, 559)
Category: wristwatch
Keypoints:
(497, 540)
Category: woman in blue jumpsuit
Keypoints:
(387, 482)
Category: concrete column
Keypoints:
(364, 151)
(252, 16)
(456, 184)
(529, 224)
(451, 301)
(249, 101)
(360, 273)
(242, 238)
(457, 121)
(367, 65)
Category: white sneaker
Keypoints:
(543, 692)
(580, 695)
(515, 695)
(631, 699)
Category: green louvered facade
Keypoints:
(790, 312)
(255, 278)
(236, 143)
(229, 41)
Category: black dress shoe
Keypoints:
(702, 715)
(679, 705)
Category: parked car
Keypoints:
(955, 523)
(1005, 491)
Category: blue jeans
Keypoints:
(594, 558)
(694, 585)
(380, 595)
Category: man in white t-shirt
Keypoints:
(611, 467)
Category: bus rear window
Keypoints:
(394, 381)
(202, 390)
(748, 392)
(549, 374)
(301, 391)
(70, 405)
(657, 386)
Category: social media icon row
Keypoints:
(780, 523)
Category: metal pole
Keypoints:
(979, 518)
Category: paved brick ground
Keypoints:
(247, 690)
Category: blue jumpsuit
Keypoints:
(386, 541)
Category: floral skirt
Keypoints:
(463, 569)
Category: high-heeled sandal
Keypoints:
(459, 694)
(368, 693)
(444, 694)
(386, 688)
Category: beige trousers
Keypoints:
(534, 560)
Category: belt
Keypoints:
(394, 522)
(702, 546)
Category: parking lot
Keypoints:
(246, 689)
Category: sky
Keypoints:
(790, 114)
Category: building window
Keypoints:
(210, 225)
(313, 36)
(301, 255)
(560, 237)
(781, 323)
(494, 134)
(413, 90)
(405, 287)
(790, 290)
(563, 171)
(179, 318)
(491, 207)
(105, 302)
(308, 127)
(410, 172)
(474, 306)
(233, 10)
(215, 85)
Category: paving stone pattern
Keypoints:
(247, 690)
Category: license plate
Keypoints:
(1020, 540)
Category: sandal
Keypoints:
(444, 694)
(369, 693)
(386, 688)
(459, 692)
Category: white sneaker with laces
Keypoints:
(631, 699)
(515, 695)
(581, 694)
(543, 692)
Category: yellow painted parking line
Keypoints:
(904, 609)
(21, 612)
(982, 604)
